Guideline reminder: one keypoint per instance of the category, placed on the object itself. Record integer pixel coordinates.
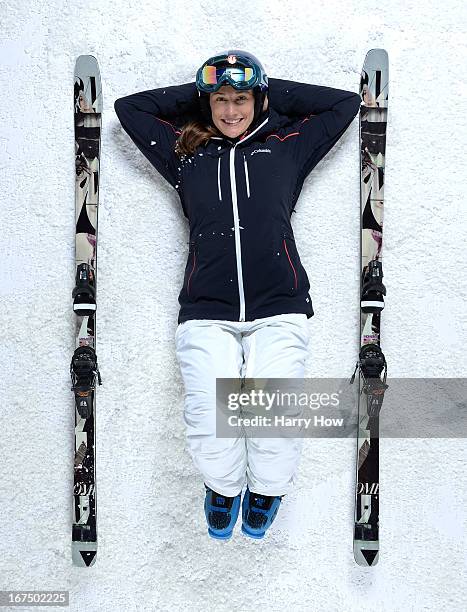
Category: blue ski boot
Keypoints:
(258, 513)
(221, 513)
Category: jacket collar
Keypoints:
(271, 121)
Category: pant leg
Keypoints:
(278, 348)
(207, 350)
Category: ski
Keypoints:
(371, 365)
(83, 368)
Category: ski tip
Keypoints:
(381, 55)
(86, 64)
(378, 50)
(86, 58)
(88, 79)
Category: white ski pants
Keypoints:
(206, 349)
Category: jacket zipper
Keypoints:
(238, 248)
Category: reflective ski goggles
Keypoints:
(211, 76)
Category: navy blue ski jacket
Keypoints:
(239, 195)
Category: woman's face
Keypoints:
(232, 110)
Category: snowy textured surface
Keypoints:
(154, 553)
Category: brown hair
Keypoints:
(194, 134)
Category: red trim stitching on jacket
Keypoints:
(192, 270)
(293, 133)
(290, 261)
(174, 129)
(285, 137)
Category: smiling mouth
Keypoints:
(232, 123)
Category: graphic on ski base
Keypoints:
(83, 367)
(371, 365)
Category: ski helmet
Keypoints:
(240, 69)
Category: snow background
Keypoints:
(154, 553)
